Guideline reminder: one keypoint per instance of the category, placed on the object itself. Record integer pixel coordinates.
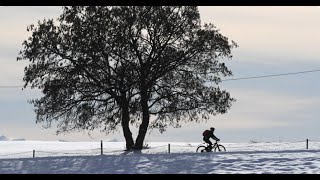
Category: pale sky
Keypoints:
(271, 39)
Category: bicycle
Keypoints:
(204, 147)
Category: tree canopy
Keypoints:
(101, 67)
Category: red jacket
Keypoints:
(209, 134)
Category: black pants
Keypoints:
(207, 141)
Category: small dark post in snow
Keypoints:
(307, 143)
(34, 153)
(169, 148)
(101, 148)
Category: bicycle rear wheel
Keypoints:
(220, 148)
(201, 149)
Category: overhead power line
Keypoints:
(233, 79)
(271, 75)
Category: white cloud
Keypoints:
(270, 101)
(261, 109)
(14, 94)
(11, 74)
(14, 22)
(280, 34)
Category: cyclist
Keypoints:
(207, 134)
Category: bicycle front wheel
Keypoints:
(220, 148)
(201, 149)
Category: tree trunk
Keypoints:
(145, 121)
(125, 124)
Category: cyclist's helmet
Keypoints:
(212, 129)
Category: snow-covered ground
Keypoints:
(85, 158)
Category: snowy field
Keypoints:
(51, 157)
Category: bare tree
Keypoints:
(175, 57)
(99, 67)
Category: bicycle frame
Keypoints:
(215, 146)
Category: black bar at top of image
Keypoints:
(161, 2)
